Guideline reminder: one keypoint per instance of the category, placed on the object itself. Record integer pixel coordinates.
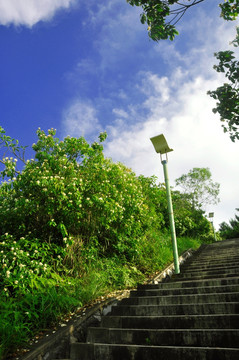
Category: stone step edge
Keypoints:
(105, 332)
(156, 347)
(209, 265)
(177, 278)
(103, 351)
(214, 260)
(184, 304)
(206, 271)
(187, 288)
(182, 278)
(181, 296)
(190, 283)
(163, 330)
(175, 316)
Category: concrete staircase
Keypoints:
(193, 316)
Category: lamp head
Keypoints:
(160, 144)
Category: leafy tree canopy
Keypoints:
(231, 230)
(227, 95)
(199, 188)
(161, 16)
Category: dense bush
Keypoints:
(70, 189)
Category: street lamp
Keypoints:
(211, 215)
(161, 147)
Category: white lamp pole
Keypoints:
(161, 147)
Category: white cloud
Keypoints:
(30, 12)
(80, 119)
(119, 31)
(120, 113)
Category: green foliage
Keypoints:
(229, 9)
(227, 95)
(33, 289)
(10, 146)
(161, 16)
(25, 261)
(75, 226)
(71, 189)
(155, 250)
(231, 230)
(155, 195)
(199, 188)
(189, 221)
(23, 316)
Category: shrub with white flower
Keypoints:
(71, 189)
(21, 261)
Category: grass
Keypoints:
(47, 300)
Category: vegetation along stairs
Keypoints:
(195, 315)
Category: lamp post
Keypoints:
(211, 215)
(161, 147)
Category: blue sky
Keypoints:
(83, 67)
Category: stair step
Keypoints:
(181, 299)
(142, 352)
(193, 337)
(182, 309)
(201, 267)
(184, 291)
(205, 276)
(225, 321)
(213, 259)
(192, 283)
(206, 272)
